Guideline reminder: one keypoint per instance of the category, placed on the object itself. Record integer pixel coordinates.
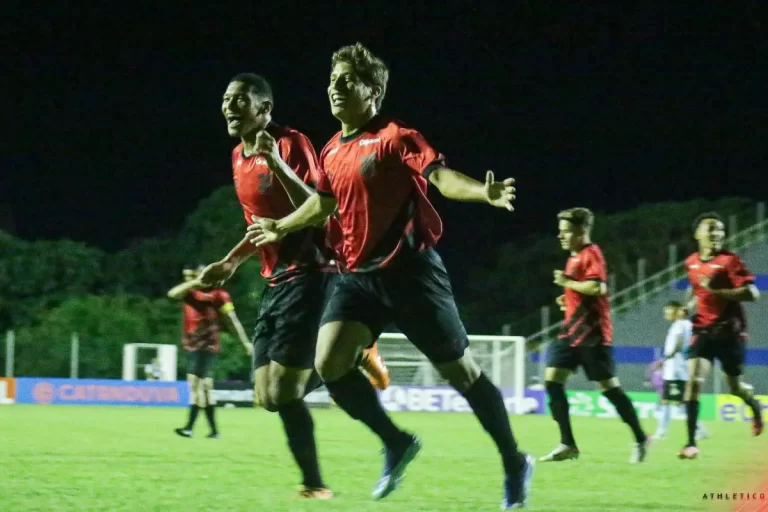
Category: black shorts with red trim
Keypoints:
(289, 319)
(728, 347)
(413, 293)
(596, 359)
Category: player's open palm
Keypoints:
(263, 231)
(500, 194)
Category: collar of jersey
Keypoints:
(361, 131)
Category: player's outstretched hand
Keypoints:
(216, 274)
(266, 145)
(499, 194)
(249, 349)
(263, 231)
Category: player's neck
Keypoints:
(353, 125)
(707, 253)
(581, 246)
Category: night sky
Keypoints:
(112, 128)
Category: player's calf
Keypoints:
(193, 384)
(746, 393)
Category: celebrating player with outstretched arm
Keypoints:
(587, 335)
(273, 168)
(376, 170)
(719, 283)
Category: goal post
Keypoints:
(162, 357)
(502, 359)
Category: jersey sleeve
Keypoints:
(297, 151)
(738, 272)
(416, 153)
(323, 184)
(595, 268)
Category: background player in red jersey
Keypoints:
(719, 283)
(376, 171)
(587, 335)
(272, 169)
(204, 309)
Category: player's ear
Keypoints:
(266, 107)
(376, 92)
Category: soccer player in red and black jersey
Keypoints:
(204, 309)
(586, 336)
(376, 171)
(719, 282)
(273, 168)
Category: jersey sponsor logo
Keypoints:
(368, 142)
(7, 391)
(715, 265)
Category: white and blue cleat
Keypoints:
(395, 464)
(517, 488)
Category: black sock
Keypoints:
(626, 411)
(558, 404)
(210, 413)
(193, 410)
(753, 404)
(314, 382)
(356, 396)
(692, 411)
(300, 431)
(488, 404)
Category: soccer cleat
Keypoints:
(374, 366)
(689, 452)
(395, 463)
(183, 432)
(560, 453)
(640, 451)
(213, 435)
(757, 426)
(315, 493)
(517, 488)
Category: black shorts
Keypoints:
(414, 293)
(289, 318)
(673, 390)
(729, 348)
(597, 360)
(199, 363)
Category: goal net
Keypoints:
(502, 359)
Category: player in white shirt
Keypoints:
(674, 366)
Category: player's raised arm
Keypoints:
(180, 290)
(313, 212)
(460, 187)
(297, 190)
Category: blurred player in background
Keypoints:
(376, 171)
(673, 367)
(719, 282)
(204, 309)
(273, 169)
(586, 337)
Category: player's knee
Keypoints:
(460, 374)
(210, 398)
(332, 367)
(283, 391)
(559, 375)
(608, 384)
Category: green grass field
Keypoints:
(127, 459)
